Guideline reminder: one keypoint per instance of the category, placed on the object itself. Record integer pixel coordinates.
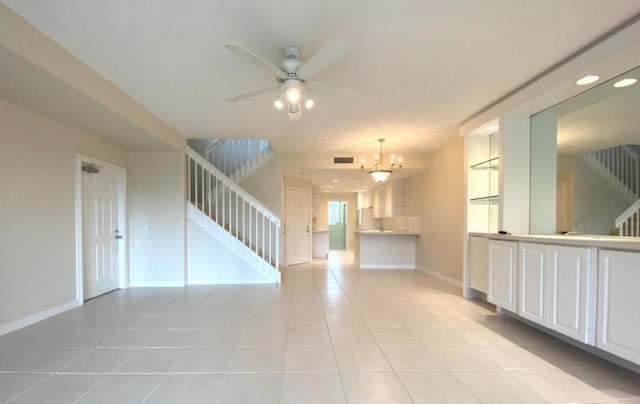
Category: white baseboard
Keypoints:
(34, 318)
(440, 276)
(232, 282)
(375, 266)
(152, 284)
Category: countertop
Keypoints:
(320, 230)
(613, 242)
(385, 233)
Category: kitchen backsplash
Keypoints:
(401, 223)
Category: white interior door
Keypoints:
(298, 223)
(100, 232)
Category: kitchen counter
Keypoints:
(385, 249)
(586, 240)
(386, 232)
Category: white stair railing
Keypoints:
(628, 223)
(620, 166)
(231, 156)
(233, 208)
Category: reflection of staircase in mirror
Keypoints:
(628, 223)
(620, 167)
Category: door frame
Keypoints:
(123, 255)
(310, 224)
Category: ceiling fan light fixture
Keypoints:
(309, 103)
(293, 94)
(293, 108)
(278, 104)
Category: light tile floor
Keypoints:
(330, 333)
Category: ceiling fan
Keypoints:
(293, 75)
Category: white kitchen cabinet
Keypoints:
(390, 199)
(533, 283)
(378, 202)
(556, 289)
(398, 199)
(572, 292)
(619, 304)
(364, 200)
(320, 244)
(478, 263)
(503, 274)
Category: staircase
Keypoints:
(233, 217)
(236, 158)
(620, 166)
(628, 223)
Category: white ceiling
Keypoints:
(422, 66)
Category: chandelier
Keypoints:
(380, 170)
(292, 97)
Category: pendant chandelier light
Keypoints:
(381, 171)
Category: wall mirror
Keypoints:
(585, 162)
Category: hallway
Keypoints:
(330, 333)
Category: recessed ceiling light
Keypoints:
(336, 180)
(625, 82)
(330, 186)
(588, 79)
(492, 128)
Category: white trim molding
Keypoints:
(440, 276)
(34, 318)
(154, 284)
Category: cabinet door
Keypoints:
(571, 290)
(619, 304)
(388, 199)
(503, 275)
(532, 282)
(376, 203)
(478, 263)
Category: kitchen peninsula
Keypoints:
(389, 249)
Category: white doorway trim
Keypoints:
(122, 223)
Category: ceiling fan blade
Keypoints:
(256, 60)
(329, 54)
(319, 87)
(253, 93)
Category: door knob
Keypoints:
(118, 237)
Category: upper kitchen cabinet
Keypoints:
(390, 199)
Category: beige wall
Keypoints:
(37, 210)
(266, 185)
(156, 196)
(437, 197)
